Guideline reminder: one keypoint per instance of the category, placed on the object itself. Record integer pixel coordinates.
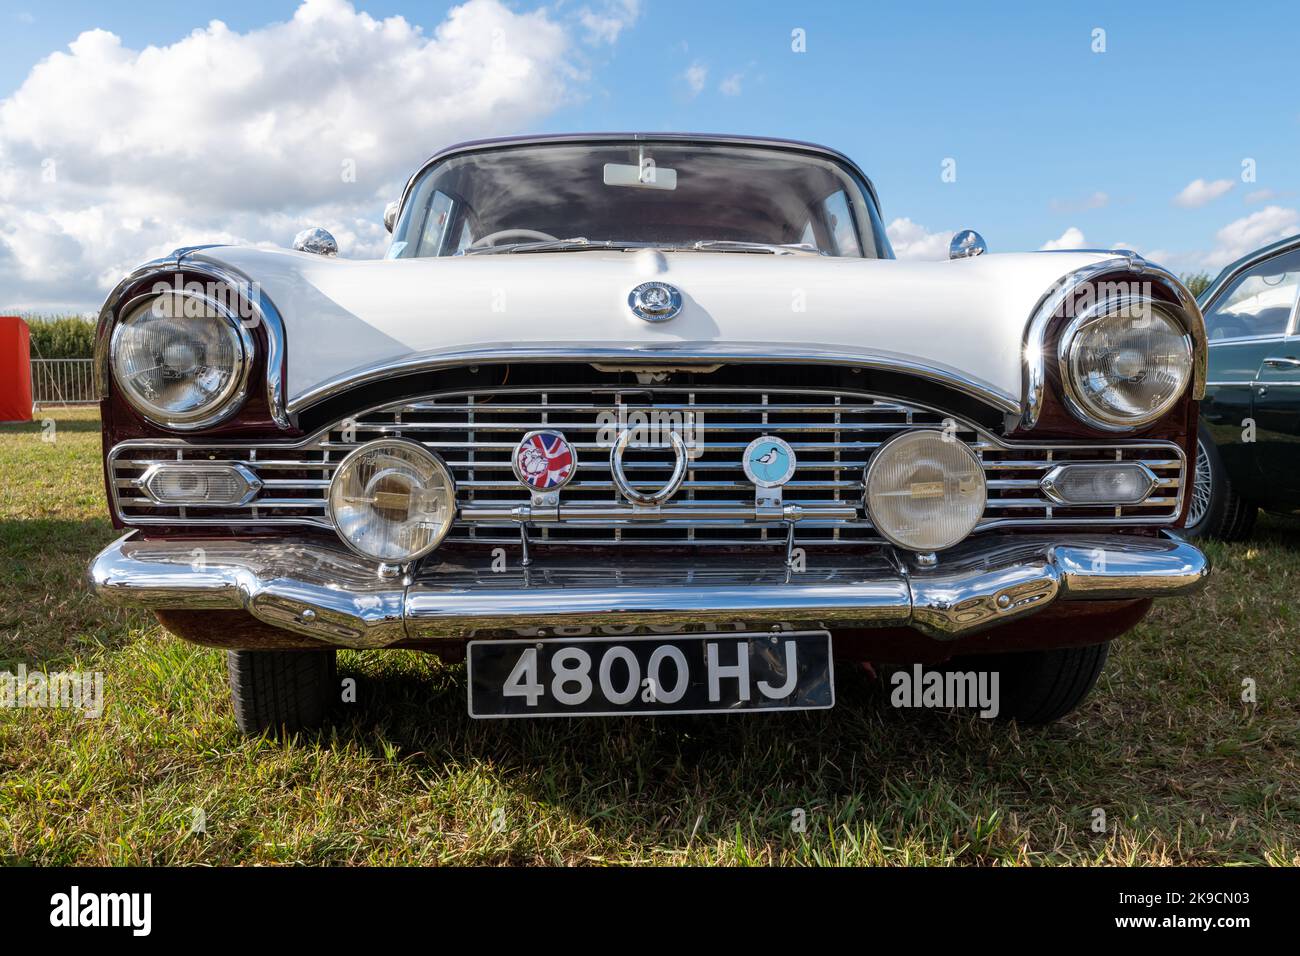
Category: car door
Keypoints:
(1252, 403)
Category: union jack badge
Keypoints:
(545, 461)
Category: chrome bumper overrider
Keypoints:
(323, 591)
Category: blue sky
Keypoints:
(1051, 140)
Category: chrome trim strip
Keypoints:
(1034, 360)
(972, 587)
(656, 355)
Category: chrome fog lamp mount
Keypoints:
(392, 500)
(1102, 483)
(925, 490)
(200, 484)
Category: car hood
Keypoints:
(344, 319)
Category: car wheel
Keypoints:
(281, 691)
(1216, 510)
(1038, 687)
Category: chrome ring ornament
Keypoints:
(544, 461)
(625, 487)
(768, 461)
(655, 301)
(1202, 486)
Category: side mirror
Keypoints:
(390, 214)
(316, 241)
(966, 244)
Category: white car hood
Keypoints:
(344, 318)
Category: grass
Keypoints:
(1185, 771)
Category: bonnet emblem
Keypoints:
(655, 301)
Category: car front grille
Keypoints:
(832, 431)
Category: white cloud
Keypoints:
(109, 156)
(731, 85)
(1072, 238)
(696, 75)
(913, 241)
(1250, 232)
(608, 20)
(1199, 192)
(1259, 195)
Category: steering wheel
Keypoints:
(492, 238)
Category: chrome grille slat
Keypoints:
(834, 432)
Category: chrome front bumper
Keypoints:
(324, 591)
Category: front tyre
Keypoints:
(1038, 687)
(281, 691)
(1216, 510)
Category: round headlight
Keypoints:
(392, 500)
(181, 361)
(925, 490)
(1126, 366)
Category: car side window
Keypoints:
(1259, 302)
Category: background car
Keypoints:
(1248, 454)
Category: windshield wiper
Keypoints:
(735, 245)
(579, 243)
(540, 245)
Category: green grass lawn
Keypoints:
(1185, 771)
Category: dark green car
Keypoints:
(1249, 452)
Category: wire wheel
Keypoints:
(1201, 487)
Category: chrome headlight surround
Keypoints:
(1085, 404)
(226, 401)
(350, 528)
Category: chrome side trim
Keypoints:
(657, 355)
(325, 592)
(163, 269)
(1035, 360)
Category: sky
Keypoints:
(129, 129)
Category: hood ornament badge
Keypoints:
(655, 301)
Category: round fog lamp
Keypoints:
(925, 490)
(392, 500)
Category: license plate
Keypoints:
(691, 674)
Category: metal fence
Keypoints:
(63, 381)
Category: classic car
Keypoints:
(1248, 453)
(648, 424)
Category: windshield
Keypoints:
(567, 197)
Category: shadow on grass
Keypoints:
(62, 424)
(641, 779)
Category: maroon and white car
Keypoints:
(646, 424)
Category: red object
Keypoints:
(15, 370)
